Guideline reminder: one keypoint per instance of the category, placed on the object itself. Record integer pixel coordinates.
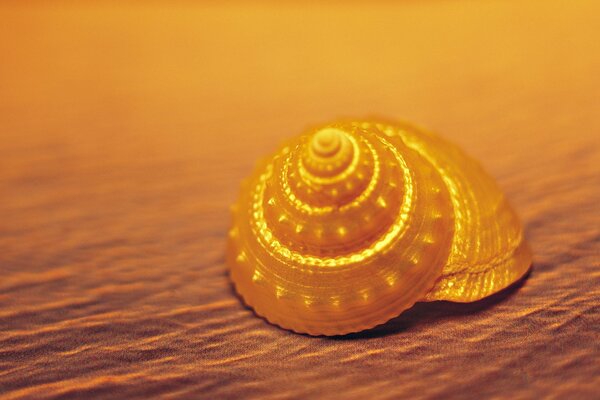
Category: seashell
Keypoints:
(351, 223)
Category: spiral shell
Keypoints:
(348, 225)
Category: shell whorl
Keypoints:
(343, 228)
(329, 201)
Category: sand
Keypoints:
(126, 129)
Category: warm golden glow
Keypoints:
(392, 217)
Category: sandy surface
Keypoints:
(125, 131)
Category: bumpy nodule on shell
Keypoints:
(348, 225)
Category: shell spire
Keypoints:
(348, 225)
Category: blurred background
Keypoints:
(126, 127)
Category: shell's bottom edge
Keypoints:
(303, 329)
(466, 287)
(310, 332)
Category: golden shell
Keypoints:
(348, 225)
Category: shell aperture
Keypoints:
(350, 224)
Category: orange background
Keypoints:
(125, 129)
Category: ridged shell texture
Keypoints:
(351, 223)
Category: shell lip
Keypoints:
(489, 300)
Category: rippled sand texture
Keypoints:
(125, 130)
